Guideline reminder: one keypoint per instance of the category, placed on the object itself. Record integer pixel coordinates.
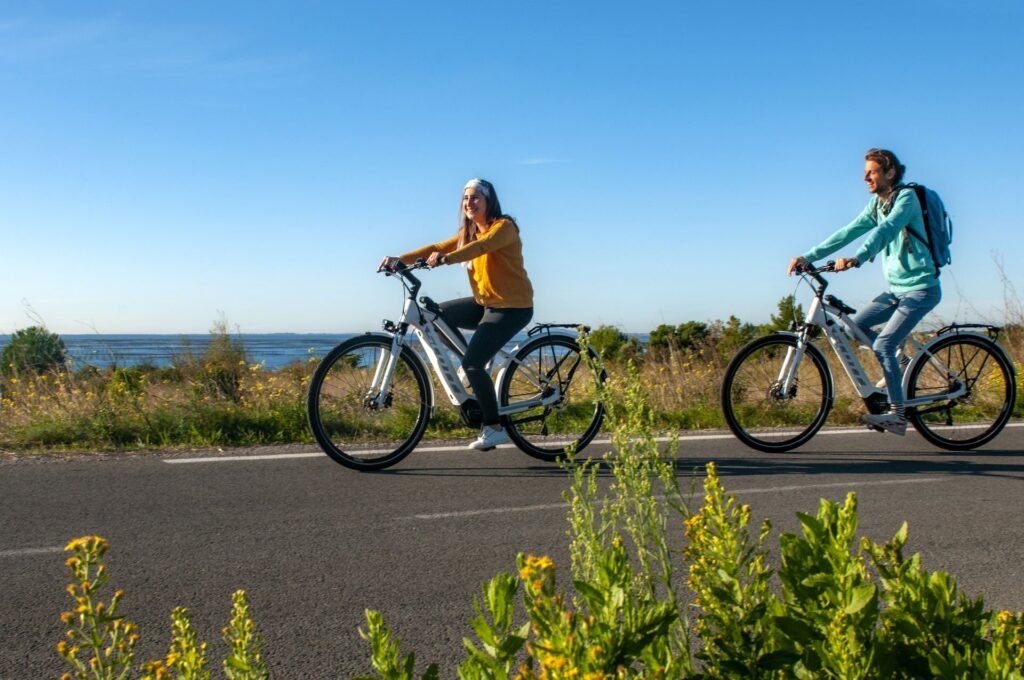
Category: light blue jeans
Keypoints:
(899, 314)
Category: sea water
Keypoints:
(273, 350)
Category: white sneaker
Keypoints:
(886, 422)
(489, 438)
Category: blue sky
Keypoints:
(163, 164)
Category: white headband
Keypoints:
(479, 185)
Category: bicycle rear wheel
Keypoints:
(755, 407)
(543, 365)
(346, 421)
(978, 416)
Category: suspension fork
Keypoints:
(381, 385)
(794, 355)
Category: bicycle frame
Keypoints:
(428, 326)
(831, 315)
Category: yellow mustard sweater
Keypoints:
(498, 277)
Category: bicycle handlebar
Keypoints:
(405, 272)
(807, 268)
(816, 273)
(400, 267)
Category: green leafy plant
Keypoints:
(498, 638)
(32, 350)
(730, 579)
(387, 657)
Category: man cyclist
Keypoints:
(894, 225)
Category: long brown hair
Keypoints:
(467, 228)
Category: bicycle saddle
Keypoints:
(839, 304)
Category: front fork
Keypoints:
(794, 355)
(378, 396)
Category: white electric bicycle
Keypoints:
(371, 398)
(960, 385)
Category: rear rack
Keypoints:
(991, 331)
(546, 328)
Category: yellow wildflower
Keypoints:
(87, 542)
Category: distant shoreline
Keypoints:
(273, 350)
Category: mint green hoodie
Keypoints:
(908, 264)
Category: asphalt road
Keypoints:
(314, 544)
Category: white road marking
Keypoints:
(449, 449)
(22, 552)
(736, 492)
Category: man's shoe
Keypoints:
(489, 438)
(886, 422)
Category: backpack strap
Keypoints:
(922, 198)
(884, 208)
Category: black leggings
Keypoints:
(493, 327)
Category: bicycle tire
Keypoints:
(551, 432)
(767, 422)
(352, 433)
(986, 407)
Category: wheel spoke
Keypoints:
(982, 370)
(548, 431)
(352, 421)
(766, 414)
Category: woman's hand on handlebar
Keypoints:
(388, 263)
(434, 260)
(796, 264)
(844, 263)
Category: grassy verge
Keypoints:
(221, 398)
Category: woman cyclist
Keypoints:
(894, 225)
(488, 245)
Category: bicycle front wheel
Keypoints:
(352, 425)
(977, 416)
(759, 411)
(546, 366)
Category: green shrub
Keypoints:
(686, 336)
(33, 350)
(612, 344)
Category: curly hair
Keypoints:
(888, 161)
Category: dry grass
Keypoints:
(223, 399)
